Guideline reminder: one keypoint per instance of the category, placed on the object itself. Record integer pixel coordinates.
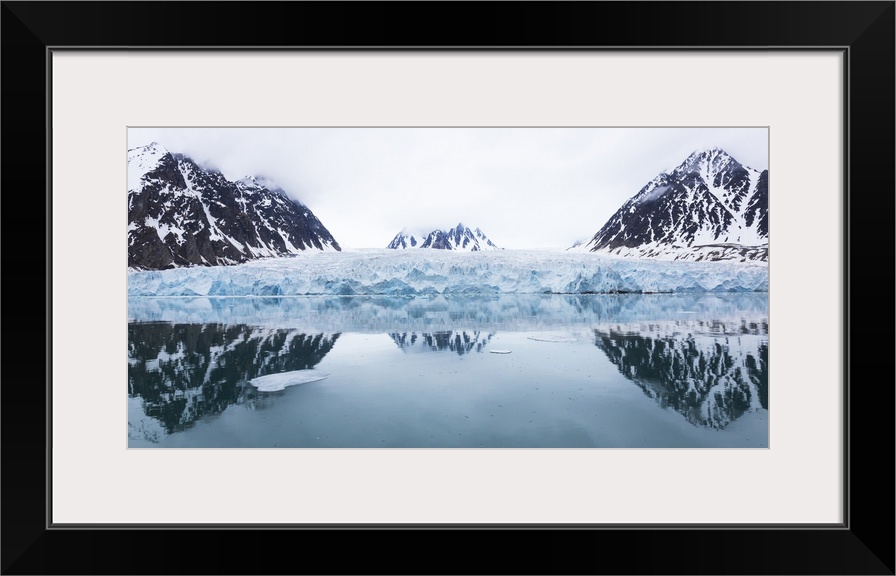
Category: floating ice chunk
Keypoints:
(279, 381)
(552, 338)
(500, 351)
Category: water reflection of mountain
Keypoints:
(186, 371)
(710, 372)
(459, 341)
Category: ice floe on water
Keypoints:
(562, 339)
(279, 381)
(433, 272)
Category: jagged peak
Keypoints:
(187, 163)
(424, 235)
(151, 146)
(143, 160)
(146, 154)
(715, 151)
(715, 156)
(258, 181)
(711, 193)
(249, 181)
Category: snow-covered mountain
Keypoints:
(711, 207)
(458, 238)
(180, 214)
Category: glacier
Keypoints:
(435, 272)
(515, 312)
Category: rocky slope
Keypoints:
(180, 214)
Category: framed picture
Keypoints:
(818, 77)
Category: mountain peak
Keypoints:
(710, 206)
(258, 182)
(151, 146)
(249, 181)
(714, 158)
(184, 214)
(458, 238)
(153, 149)
(143, 160)
(710, 152)
(698, 157)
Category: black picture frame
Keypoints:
(864, 31)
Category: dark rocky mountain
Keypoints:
(711, 207)
(458, 238)
(180, 214)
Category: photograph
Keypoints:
(435, 287)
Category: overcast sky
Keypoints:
(524, 187)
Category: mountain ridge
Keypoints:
(460, 238)
(710, 207)
(181, 214)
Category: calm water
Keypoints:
(526, 371)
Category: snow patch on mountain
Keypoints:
(141, 161)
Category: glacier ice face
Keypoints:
(484, 314)
(433, 272)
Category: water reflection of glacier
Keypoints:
(183, 372)
(378, 314)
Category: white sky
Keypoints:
(524, 187)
